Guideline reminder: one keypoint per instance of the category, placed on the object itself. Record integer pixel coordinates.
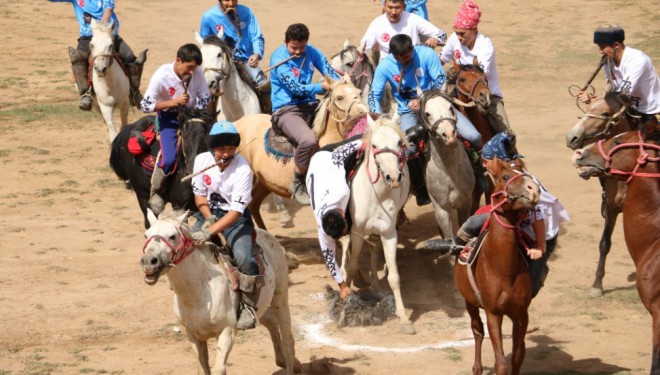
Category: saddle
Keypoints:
(141, 144)
(262, 91)
(278, 146)
(469, 253)
(236, 279)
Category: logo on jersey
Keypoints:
(81, 3)
(243, 24)
(385, 38)
(219, 28)
(295, 71)
(207, 180)
(171, 91)
(457, 55)
(419, 72)
(397, 78)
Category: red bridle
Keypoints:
(400, 155)
(182, 249)
(642, 159)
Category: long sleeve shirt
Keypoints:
(94, 9)
(244, 38)
(165, 85)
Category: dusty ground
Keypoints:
(72, 299)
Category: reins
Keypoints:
(642, 159)
(182, 250)
(470, 95)
(506, 197)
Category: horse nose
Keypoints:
(400, 177)
(149, 261)
(578, 155)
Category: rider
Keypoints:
(627, 70)
(417, 7)
(408, 69)
(541, 222)
(241, 31)
(102, 12)
(222, 195)
(395, 20)
(294, 98)
(174, 85)
(466, 43)
(329, 195)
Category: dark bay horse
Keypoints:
(498, 281)
(129, 167)
(604, 118)
(636, 161)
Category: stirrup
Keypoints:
(247, 318)
(86, 102)
(299, 193)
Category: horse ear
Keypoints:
(346, 43)
(198, 38)
(330, 81)
(362, 47)
(151, 217)
(183, 217)
(221, 33)
(346, 78)
(94, 24)
(457, 66)
(475, 61)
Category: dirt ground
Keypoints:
(72, 296)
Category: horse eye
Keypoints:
(350, 64)
(340, 97)
(461, 80)
(173, 237)
(427, 114)
(604, 114)
(219, 54)
(505, 178)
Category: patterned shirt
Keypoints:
(245, 43)
(87, 9)
(165, 85)
(425, 70)
(291, 82)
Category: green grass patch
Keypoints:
(34, 150)
(39, 112)
(13, 82)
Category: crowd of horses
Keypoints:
(609, 144)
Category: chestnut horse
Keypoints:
(630, 158)
(472, 87)
(335, 117)
(498, 280)
(604, 118)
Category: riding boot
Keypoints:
(416, 168)
(80, 68)
(249, 287)
(263, 93)
(298, 189)
(134, 77)
(446, 246)
(156, 200)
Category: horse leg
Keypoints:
(655, 363)
(224, 344)
(478, 332)
(494, 322)
(605, 244)
(373, 277)
(123, 113)
(444, 222)
(280, 306)
(269, 320)
(106, 112)
(259, 193)
(519, 331)
(389, 241)
(354, 261)
(278, 202)
(202, 350)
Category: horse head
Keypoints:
(386, 144)
(102, 46)
(167, 243)
(193, 133)
(603, 117)
(472, 85)
(343, 104)
(438, 115)
(622, 156)
(515, 190)
(216, 61)
(353, 61)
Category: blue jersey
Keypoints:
(91, 9)
(291, 82)
(417, 7)
(425, 70)
(246, 42)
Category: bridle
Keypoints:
(220, 73)
(400, 155)
(183, 248)
(184, 149)
(506, 197)
(610, 122)
(642, 159)
(470, 95)
(346, 111)
(432, 128)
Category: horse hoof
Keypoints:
(595, 293)
(407, 328)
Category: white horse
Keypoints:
(109, 80)
(234, 97)
(449, 176)
(378, 192)
(205, 302)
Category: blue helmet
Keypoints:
(501, 146)
(223, 133)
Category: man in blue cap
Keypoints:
(540, 224)
(222, 194)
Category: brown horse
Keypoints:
(629, 158)
(604, 118)
(472, 87)
(498, 280)
(335, 117)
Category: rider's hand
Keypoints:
(414, 105)
(535, 254)
(211, 219)
(201, 236)
(584, 97)
(182, 99)
(326, 86)
(344, 291)
(432, 42)
(253, 61)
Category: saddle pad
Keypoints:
(277, 146)
(233, 274)
(472, 249)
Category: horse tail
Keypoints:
(117, 149)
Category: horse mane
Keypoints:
(173, 215)
(616, 99)
(384, 121)
(214, 40)
(321, 116)
(104, 27)
(472, 68)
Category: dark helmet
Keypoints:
(609, 34)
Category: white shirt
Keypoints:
(381, 30)
(550, 210)
(166, 85)
(636, 68)
(328, 189)
(483, 50)
(227, 190)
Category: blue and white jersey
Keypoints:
(291, 82)
(417, 7)
(425, 70)
(247, 42)
(94, 9)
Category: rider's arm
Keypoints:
(256, 36)
(369, 39)
(436, 72)
(487, 55)
(376, 91)
(429, 30)
(107, 12)
(202, 204)
(322, 64)
(447, 53)
(291, 84)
